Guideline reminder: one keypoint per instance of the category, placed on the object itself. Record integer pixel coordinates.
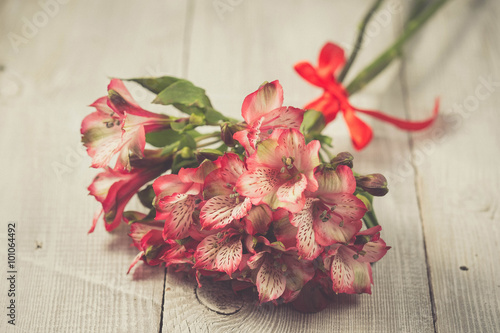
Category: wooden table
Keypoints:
(441, 216)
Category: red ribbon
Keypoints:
(335, 98)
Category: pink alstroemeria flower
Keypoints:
(177, 197)
(148, 240)
(349, 265)
(332, 214)
(263, 112)
(220, 252)
(118, 126)
(154, 250)
(279, 273)
(281, 170)
(114, 188)
(224, 204)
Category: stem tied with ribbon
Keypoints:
(332, 69)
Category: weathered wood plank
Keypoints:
(69, 281)
(259, 41)
(457, 163)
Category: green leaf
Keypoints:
(146, 196)
(187, 141)
(180, 162)
(208, 154)
(189, 109)
(193, 133)
(180, 125)
(197, 119)
(222, 148)
(170, 148)
(156, 84)
(214, 117)
(185, 94)
(163, 138)
(133, 216)
(324, 139)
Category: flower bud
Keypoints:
(343, 158)
(197, 119)
(227, 131)
(375, 184)
(186, 153)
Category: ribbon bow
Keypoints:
(335, 98)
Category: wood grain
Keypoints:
(443, 182)
(71, 281)
(457, 169)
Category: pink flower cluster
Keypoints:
(118, 129)
(273, 217)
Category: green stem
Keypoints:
(208, 143)
(370, 219)
(417, 8)
(395, 50)
(327, 153)
(359, 40)
(207, 136)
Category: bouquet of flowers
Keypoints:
(262, 202)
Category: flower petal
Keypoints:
(285, 232)
(229, 256)
(284, 117)
(374, 251)
(293, 190)
(178, 217)
(268, 97)
(102, 137)
(168, 185)
(243, 138)
(217, 212)
(232, 167)
(349, 275)
(340, 180)
(306, 240)
(270, 282)
(206, 253)
(258, 183)
(258, 220)
(347, 206)
(242, 209)
(331, 232)
(298, 272)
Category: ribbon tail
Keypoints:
(361, 133)
(404, 124)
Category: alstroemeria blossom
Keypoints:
(118, 126)
(281, 170)
(271, 217)
(263, 112)
(224, 204)
(114, 188)
(220, 252)
(177, 197)
(279, 274)
(349, 265)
